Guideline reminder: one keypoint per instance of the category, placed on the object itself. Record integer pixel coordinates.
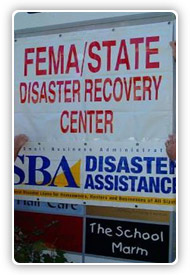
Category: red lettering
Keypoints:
(43, 94)
(52, 92)
(27, 60)
(23, 92)
(147, 87)
(76, 90)
(82, 122)
(136, 87)
(109, 44)
(90, 113)
(125, 59)
(73, 121)
(106, 98)
(40, 60)
(97, 90)
(60, 83)
(127, 89)
(149, 52)
(67, 91)
(88, 90)
(35, 94)
(136, 41)
(157, 85)
(115, 96)
(64, 129)
(99, 120)
(92, 55)
(56, 65)
(74, 63)
(108, 121)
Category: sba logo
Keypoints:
(64, 176)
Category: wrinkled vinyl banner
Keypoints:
(97, 106)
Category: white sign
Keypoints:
(125, 175)
(107, 89)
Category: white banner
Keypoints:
(107, 89)
(127, 175)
